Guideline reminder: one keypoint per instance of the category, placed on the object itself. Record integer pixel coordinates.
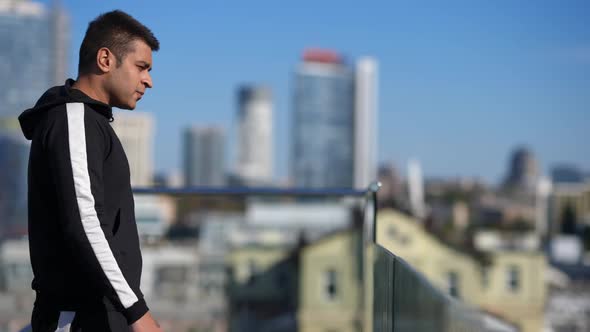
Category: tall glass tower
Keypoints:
(204, 156)
(323, 126)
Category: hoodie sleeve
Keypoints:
(76, 146)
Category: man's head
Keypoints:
(117, 52)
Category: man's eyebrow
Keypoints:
(145, 64)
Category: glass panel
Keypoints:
(405, 301)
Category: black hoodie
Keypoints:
(82, 233)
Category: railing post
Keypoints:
(369, 239)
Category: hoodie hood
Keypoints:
(58, 95)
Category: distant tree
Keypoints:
(456, 195)
(519, 225)
(568, 220)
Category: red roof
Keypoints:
(321, 55)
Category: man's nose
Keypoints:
(147, 81)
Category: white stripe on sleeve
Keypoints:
(90, 222)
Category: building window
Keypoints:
(392, 232)
(252, 270)
(453, 284)
(404, 240)
(485, 277)
(330, 284)
(513, 278)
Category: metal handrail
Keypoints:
(247, 191)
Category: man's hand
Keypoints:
(146, 323)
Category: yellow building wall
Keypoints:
(317, 312)
(525, 305)
(404, 237)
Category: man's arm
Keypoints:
(76, 146)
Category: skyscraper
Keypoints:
(204, 156)
(136, 133)
(33, 53)
(416, 189)
(365, 123)
(323, 126)
(14, 153)
(255, 135)
(60, 31)
(522, 171)
(542, 197)
(391, 192)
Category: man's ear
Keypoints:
(105, 60)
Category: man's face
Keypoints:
(129, 81)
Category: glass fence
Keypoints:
(405, 301)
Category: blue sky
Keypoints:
(462, 83)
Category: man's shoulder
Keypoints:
(59, 114)
(60, 111)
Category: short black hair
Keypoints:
(114, 30)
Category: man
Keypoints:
(83, 237)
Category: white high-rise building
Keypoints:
(136, 133)
(204, 156)
(255, 135)
(543, 192)
(60, 27)
(365, 122)
(416, 189)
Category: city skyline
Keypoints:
(455, 80)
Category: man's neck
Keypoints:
(91, 88)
